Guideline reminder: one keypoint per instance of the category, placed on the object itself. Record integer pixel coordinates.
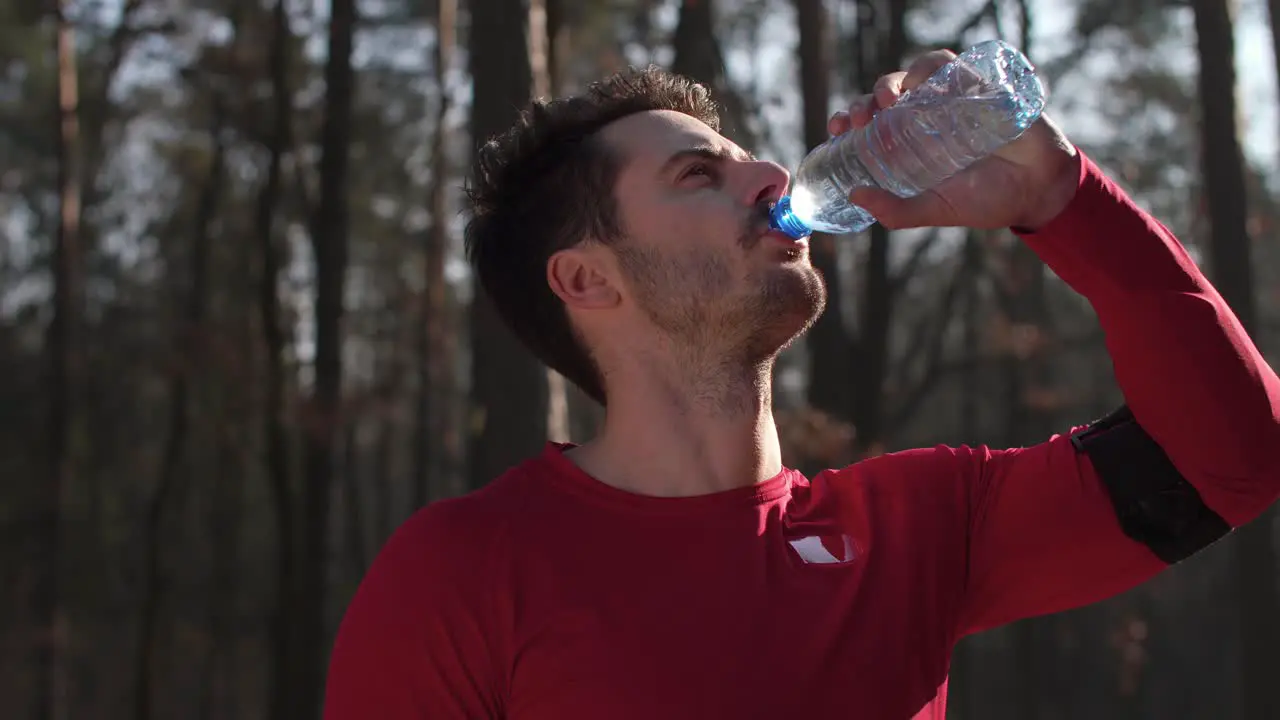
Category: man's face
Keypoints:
(696, 250)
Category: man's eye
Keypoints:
(699, 169)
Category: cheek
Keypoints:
(669, 231)
(708, 219)
(709, 271)
(679, 251)
(682, 275)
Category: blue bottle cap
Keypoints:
(784, 219)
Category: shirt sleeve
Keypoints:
(1042, 533)
(416, 641)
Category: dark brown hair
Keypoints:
(547, 184)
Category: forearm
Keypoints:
(1189, 372)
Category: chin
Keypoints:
(791, 301)
(792, 255)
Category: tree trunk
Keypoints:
(234, 452)
(1222, 159)
(330, 225)
(188, 338)
(872, 357)
(830, 376)
(353, 506)
(698, 55)
(1030, 374)
(559, 18)
(435, 350)
(1026, 370)
(961, 702)
(1229, 253)
(509, 394)
(580, 416)
(540, 69)
(275, 436)
(972, 341)
(883, 51)
(236, 390)
(64, 382)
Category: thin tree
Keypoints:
(189, 331)
(435, 352)
(540, 69)
(329, 239)
(509, 392)
(275, 436)
(1223, 167)
(698, 54)
(882, 47)
(830, 380)
(64, 378)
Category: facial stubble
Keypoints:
(690, 298)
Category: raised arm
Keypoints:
(1194, 452)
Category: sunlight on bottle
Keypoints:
(804, 205)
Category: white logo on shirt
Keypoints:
(815, 551)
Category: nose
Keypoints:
(768, 182)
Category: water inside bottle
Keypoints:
(963, 113)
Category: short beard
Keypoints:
(720, 347)
(784, 310)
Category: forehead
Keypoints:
(646, 140)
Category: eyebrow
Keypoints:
(706, 152)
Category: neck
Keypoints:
(685, 428)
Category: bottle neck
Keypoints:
(784, 219)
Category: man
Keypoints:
(672, 567)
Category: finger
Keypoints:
(839, 123)
(861, 111)
(888, 88)
(927, 209)
(924, 66)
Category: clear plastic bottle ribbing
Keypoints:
(984, 98)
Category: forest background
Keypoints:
(239, 345)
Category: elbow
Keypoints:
(1253, 483)
(1241, 499)
(1233, 457)
(1179, 503)
(1242, 477)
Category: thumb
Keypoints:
(927, 209)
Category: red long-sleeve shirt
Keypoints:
(549, 595)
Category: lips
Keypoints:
(759, 229)
(786, 240)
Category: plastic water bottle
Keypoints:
(981, 100)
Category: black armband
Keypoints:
(1154, 502)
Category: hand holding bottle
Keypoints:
(1024, 184)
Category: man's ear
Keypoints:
(581, 277)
